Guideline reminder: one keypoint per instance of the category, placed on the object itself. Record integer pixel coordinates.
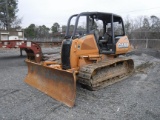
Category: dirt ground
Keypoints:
(135, 98)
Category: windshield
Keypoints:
(86, 22)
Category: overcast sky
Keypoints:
(48, 12)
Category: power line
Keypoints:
(139, 10)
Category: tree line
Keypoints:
(142, 27)
(42, 31)
(34, 31)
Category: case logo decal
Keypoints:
(123, 45)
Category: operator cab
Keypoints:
(107, 28)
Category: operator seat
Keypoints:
(107, 39)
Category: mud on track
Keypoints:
(136, 97)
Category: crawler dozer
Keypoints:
(92, 53)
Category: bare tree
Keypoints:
(16, 23)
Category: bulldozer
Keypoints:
(92, 54)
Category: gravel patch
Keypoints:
(135, 98)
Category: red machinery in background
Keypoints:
(32, 49)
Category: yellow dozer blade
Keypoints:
(59, 84)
